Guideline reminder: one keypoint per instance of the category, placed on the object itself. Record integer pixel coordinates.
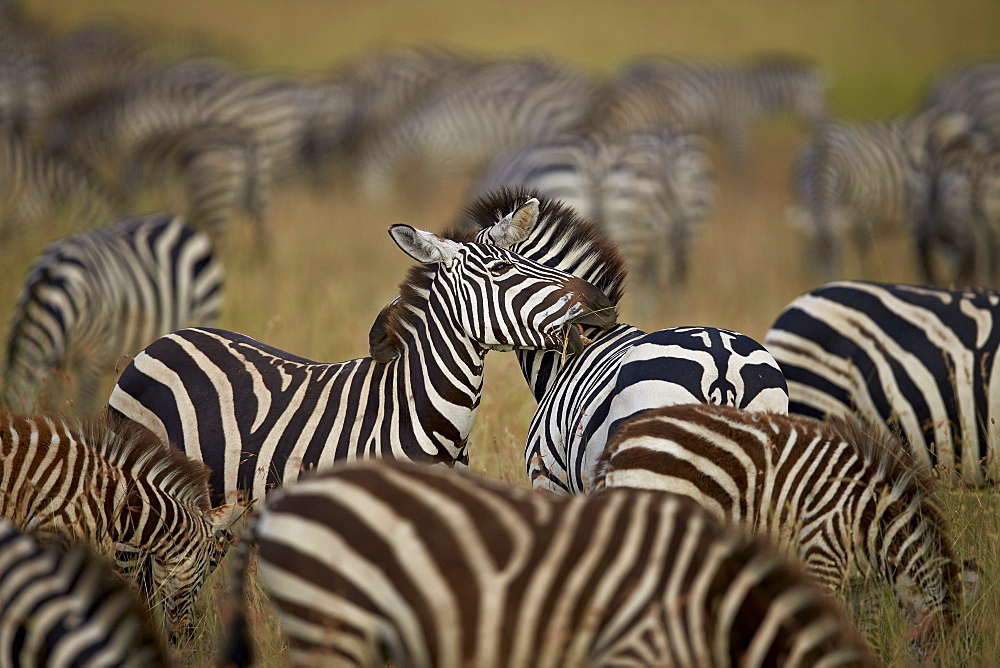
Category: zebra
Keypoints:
(92, 297)
(38, 186)
(913, 359)
(471, 117)
(718, 99)
(116, 486)
(844, 497)
(964, 212)
(860, 180)
(66, 607)
(221, 168)
(650, 190)
(390, 562)
(624, 369)
(260, 417)
(972, 89)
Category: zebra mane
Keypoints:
(132, 447)
(384, 342)
(561, 238)
(892, 458)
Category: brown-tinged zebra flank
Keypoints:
(393, 562)
(848, 500)
(114, 486)
(65, 607)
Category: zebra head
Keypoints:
(502, 300)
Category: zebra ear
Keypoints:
(222, 518)
(422, 246)
(515, 227)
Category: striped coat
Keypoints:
(391, 562)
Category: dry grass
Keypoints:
(331, 265)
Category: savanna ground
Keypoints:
(331, 265)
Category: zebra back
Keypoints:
(848, 500)
(915, 359)
(492, 575)
(66, 607)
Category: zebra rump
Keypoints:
(67, 608)
(917, 360)
(390, 562)
(95, 296)
(843, 497)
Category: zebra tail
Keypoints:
(239, 649)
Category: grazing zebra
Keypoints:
(469, 118)
(622, 370)
(964, 212)
(389, 562)
(917, 360)
(220, 167)
(92, 297)
(722, 100)
(848, 501)
(859, 180)
(36, 186)
(260, 417)
(649, 189)
(972, 89)
(66, 608)
(116, 486)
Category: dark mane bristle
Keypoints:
(592, 255)
(133, 447)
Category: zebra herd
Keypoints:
(699, 498)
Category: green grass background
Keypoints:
(332, 266)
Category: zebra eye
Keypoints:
(499, 267)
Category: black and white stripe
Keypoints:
(66, 608)
(93, 297)
(972, 89)
(650, 190)
(261, 417)
(843, 497)
(718, 99)
(490, 575)
(116, 487)
(476, 114)
(962, 218)
(39, 187)
(624, 369)
(915, 359)
(220, 168)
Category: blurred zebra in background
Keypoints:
(65, 607)
(23, 70)
(650, 190)
(261, 417)
(860, 180)
(972, 89)
(221, 168)
(622, 370)
(848, 500)
(475, 114)
(963, 215)
(39, 187)
(720, 100)
(917, 360)
(492, 575)
(92, 297)
(116, 487)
